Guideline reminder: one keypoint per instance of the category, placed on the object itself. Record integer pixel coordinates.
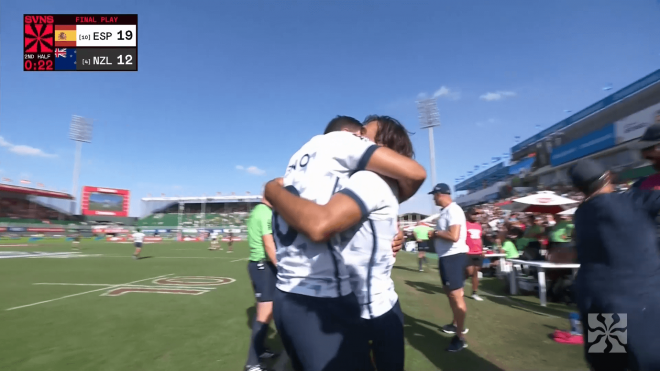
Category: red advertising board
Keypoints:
(105, 201)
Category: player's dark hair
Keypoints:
(392, 134)
(340, 123)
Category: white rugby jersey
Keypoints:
(214, 235)
(315, 172)
(138, 237)
(367, 248)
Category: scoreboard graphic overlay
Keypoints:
(105, 201)
(88, 42)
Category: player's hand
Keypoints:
(432, 234)
(278, 181)
(397, 242)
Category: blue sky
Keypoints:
(229, 84)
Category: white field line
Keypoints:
(181, 287)
(51, 254)
(237, 260)
(73, 284)
(163, 257)
(87, 292)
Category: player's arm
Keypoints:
(452, 234)
(319, 222)
(269, 246)
(360, 154)
(409, 174)
(267, 237)
(456, 218)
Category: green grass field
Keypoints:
(47, 326)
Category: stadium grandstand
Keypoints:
(607, 131)
(25, 205)
(190, 213)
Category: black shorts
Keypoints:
(475, 260)
(387, 340)
(264, 277)
(452, 270)
(322, 333)
(424, 246)
(138, 245)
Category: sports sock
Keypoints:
(259, 331)
(419, 261)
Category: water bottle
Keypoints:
(576, 325)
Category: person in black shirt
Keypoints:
(617, 284)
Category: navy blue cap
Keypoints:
(585, 172)
(652, 134)
(441, 188)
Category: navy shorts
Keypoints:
(452, 271)
(322, 334)
(138, 245)
(423, 246)
(264, 277)
(476, 260)
(387, 340)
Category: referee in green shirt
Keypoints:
(421, 233)
(263, 273)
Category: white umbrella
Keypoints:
(568, 212)
(543, 202)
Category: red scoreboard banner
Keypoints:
(105, 201)
(80, 42)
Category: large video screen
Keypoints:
(105, 201)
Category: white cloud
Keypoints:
(445, 92)
(251, 170)
(498, 95)
(23, 150)
(255, 170)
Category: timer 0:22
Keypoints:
(41, 65)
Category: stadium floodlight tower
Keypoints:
(80, 131)
(429, 117)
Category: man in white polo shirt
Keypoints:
(449, 240)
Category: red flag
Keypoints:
(25, 181)
(6, 180)
(41, 185)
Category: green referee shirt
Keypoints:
(421, 232)
(259, 225)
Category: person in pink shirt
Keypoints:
(476, 253)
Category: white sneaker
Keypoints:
(477, 297)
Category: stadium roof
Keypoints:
(243, 198)
(646, 85)
(34, 192)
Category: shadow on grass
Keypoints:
(425, 287)
(145, 257)
(405, 268)
(490, 286)
(426, 338)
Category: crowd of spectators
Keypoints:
(17, 208)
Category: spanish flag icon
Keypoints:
(65, 35)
